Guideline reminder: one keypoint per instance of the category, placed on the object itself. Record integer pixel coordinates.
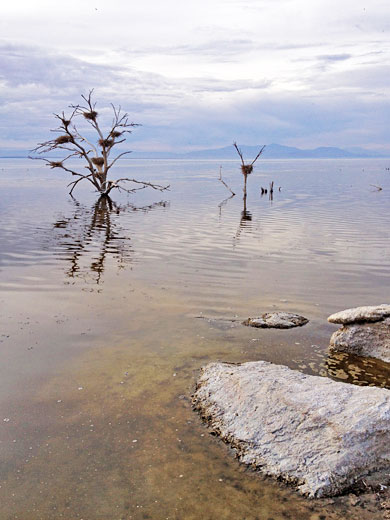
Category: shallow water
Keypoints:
(108, 314)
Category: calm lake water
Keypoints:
(102, 336)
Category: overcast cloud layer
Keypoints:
(201, 74)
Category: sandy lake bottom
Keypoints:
(109, 311)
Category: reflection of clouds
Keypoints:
(90, 237)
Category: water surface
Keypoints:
(108, 313)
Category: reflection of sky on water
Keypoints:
(130, 342)
(326, 229)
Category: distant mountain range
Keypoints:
(271, 151)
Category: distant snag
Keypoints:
(246, 168)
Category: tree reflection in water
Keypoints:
(91, 236)
(245, 221)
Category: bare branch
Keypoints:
(116, 158)
(127, 190)
(82, 177)
(157, 187)
(59, 164)
(239, 153)
(224, 183)
(84, 139)
(257, 156)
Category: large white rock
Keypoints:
(361, 314)
(319, 434)
(365, 339)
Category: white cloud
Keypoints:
(201, 73)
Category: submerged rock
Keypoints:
(321, 435)
(364, 339)
(277, 320)
(361, 314)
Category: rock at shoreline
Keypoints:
(361, 314)
(366, 332)
(365, 339)
(277, 320)
(321, 435)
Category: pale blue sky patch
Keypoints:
(201, 74)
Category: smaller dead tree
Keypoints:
(96, 154)
(247, 168)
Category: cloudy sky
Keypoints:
(201, 74)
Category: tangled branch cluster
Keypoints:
(96, 156)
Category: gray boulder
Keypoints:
(366, 331)
(364, 339)
(321, 435)
(277, 320)
(361, 314)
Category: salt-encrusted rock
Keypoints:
(366, 331)
(365, 339)
(361, 314)
(319, 434)
(277, 320)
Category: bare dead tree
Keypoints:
(247, 168)
(96, 155)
